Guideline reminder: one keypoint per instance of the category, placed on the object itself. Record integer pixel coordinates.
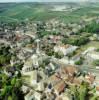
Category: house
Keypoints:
(21, 40)
(31, 34)
(90, 49)
(33, 96)
(77, 81)
(59, 87)
(33, 62)
(29, 96)
(54, 39)
(66, 96)
(59, 98)
(75, 30)
(53, 80)
(40, 86)
(64, 60)
(94, 37)
(6, 35)
(28, 66)
(97, 86)
(38, 59)
(65, 49)
(50, 96)
(37, 96)
(72, 60)
(90, 78)
(67, 73)
(10, 71)
(25, 89)
(29, 48)
(34, 77)
(51, 67)
(22, 54)
(70, 70)
(93, 55)
(34, 59)
(14, 61)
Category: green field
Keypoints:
(91, 44)
(39, 12)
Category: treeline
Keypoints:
(76, 41)
(10, 88)
(91, 28)
(10, 82)
(5, 55)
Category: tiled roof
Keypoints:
(60, 86)
(77, 81)
(54, 79)
(69, 69)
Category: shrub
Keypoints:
(96, 62)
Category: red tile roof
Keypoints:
(97, 88)
(59, 87)
(69, 70)
(90, 78)
(77, 81)
(54, 79)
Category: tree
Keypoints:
(5, 55)
(95, 97)
(4, 79)
(96, 63)
(79, 62)
(79, 92)
(58, 55)
(91, 28)
(10, 88)
(76, 41)
(83, 91)
(10, 98)
(74, 92)
(50, 52)
(13, 81)
(2, 60)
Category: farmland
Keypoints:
(38, 12)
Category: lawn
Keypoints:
(91, 44)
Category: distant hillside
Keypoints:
(34, 11)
